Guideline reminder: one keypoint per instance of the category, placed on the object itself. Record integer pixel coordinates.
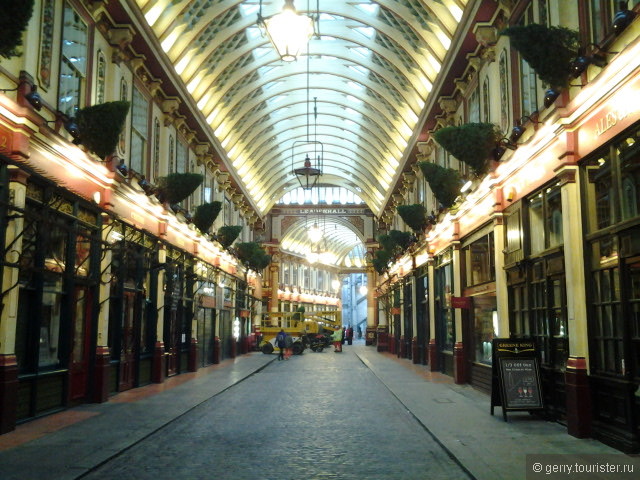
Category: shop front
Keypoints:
(537, 289)
(480, 318)
(445, 334)
(57, 255)
(611, 192)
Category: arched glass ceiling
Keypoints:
(339, 245)
(371, 69)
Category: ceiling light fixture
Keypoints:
(288, 31)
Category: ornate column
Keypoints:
(433, 346)
(459, 360)
(9, 306)
(577, 372)
(103, 355)
(274, 278)
(159, 369)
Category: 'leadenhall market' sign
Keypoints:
(321, 211)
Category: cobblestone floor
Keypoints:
(292, 420)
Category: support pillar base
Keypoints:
(459, 373)
(159, 370)
(102, 374)
(216, 350)
(433, 355)
(193, 356)
(578, 397)
(415, 351)
(8, 392)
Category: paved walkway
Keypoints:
(459, 438)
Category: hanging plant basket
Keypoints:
(100, 126)
(175, 187)
(381, 260)
(227, 235)
(415, 216)
(205, 215)
(13, 22)
(252, 256)
(471, 143)
(299, 313)
(548, 50)
(396, 242)
(444, 182)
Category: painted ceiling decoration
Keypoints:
(370, 68)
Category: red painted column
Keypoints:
(234, 348)
(101, 374)
(459, 374)
(578, 398)
(402, 353)
(193, 356)
(8, 392)
(159, 370)
(433, 355)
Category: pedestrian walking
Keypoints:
(336, 338)
(344, 335)
(280, 342)
(350, 335)
(288, 346)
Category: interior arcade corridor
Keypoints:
(257, 418)
(455, 184)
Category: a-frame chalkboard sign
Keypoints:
(515, 381)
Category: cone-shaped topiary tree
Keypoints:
(100, 126)
(13, 21)
(227, 235)
(444, 182)
(205, 215)
(471, 143)
(548, 50)
(252, 256)
(381, 261)
(175, 187)
(415, 216)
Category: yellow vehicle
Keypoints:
(300, 326)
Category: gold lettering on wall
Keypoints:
(610, 120)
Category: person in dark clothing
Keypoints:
(281, 339)
(350, 335)
(344, 334)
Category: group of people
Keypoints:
(285, 343)
(340, 336)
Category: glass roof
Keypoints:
(359, 90)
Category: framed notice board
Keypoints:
(516, 376)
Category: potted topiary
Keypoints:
(299, 313)
(381, 260)
(175, 187)
(471, 143)
(395, 242)
(100, 126)
(548, 50)
(444, 182)
(13, 21)
(415, 216)
(205, 215)
(227, 235)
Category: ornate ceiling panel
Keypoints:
(368, 72)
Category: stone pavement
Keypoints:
(256, 413)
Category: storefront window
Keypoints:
(50, 321)
(479, 258)
(444, 312)
(545, 219)
(485, 315)
(73, 62)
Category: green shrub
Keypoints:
(415, 216)
(205, 215)
(471, 143)
(100, 126)
(227, 235)
(444, 182)
(252, 256)
(548, 50)
(175, 187)
(13, 21)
